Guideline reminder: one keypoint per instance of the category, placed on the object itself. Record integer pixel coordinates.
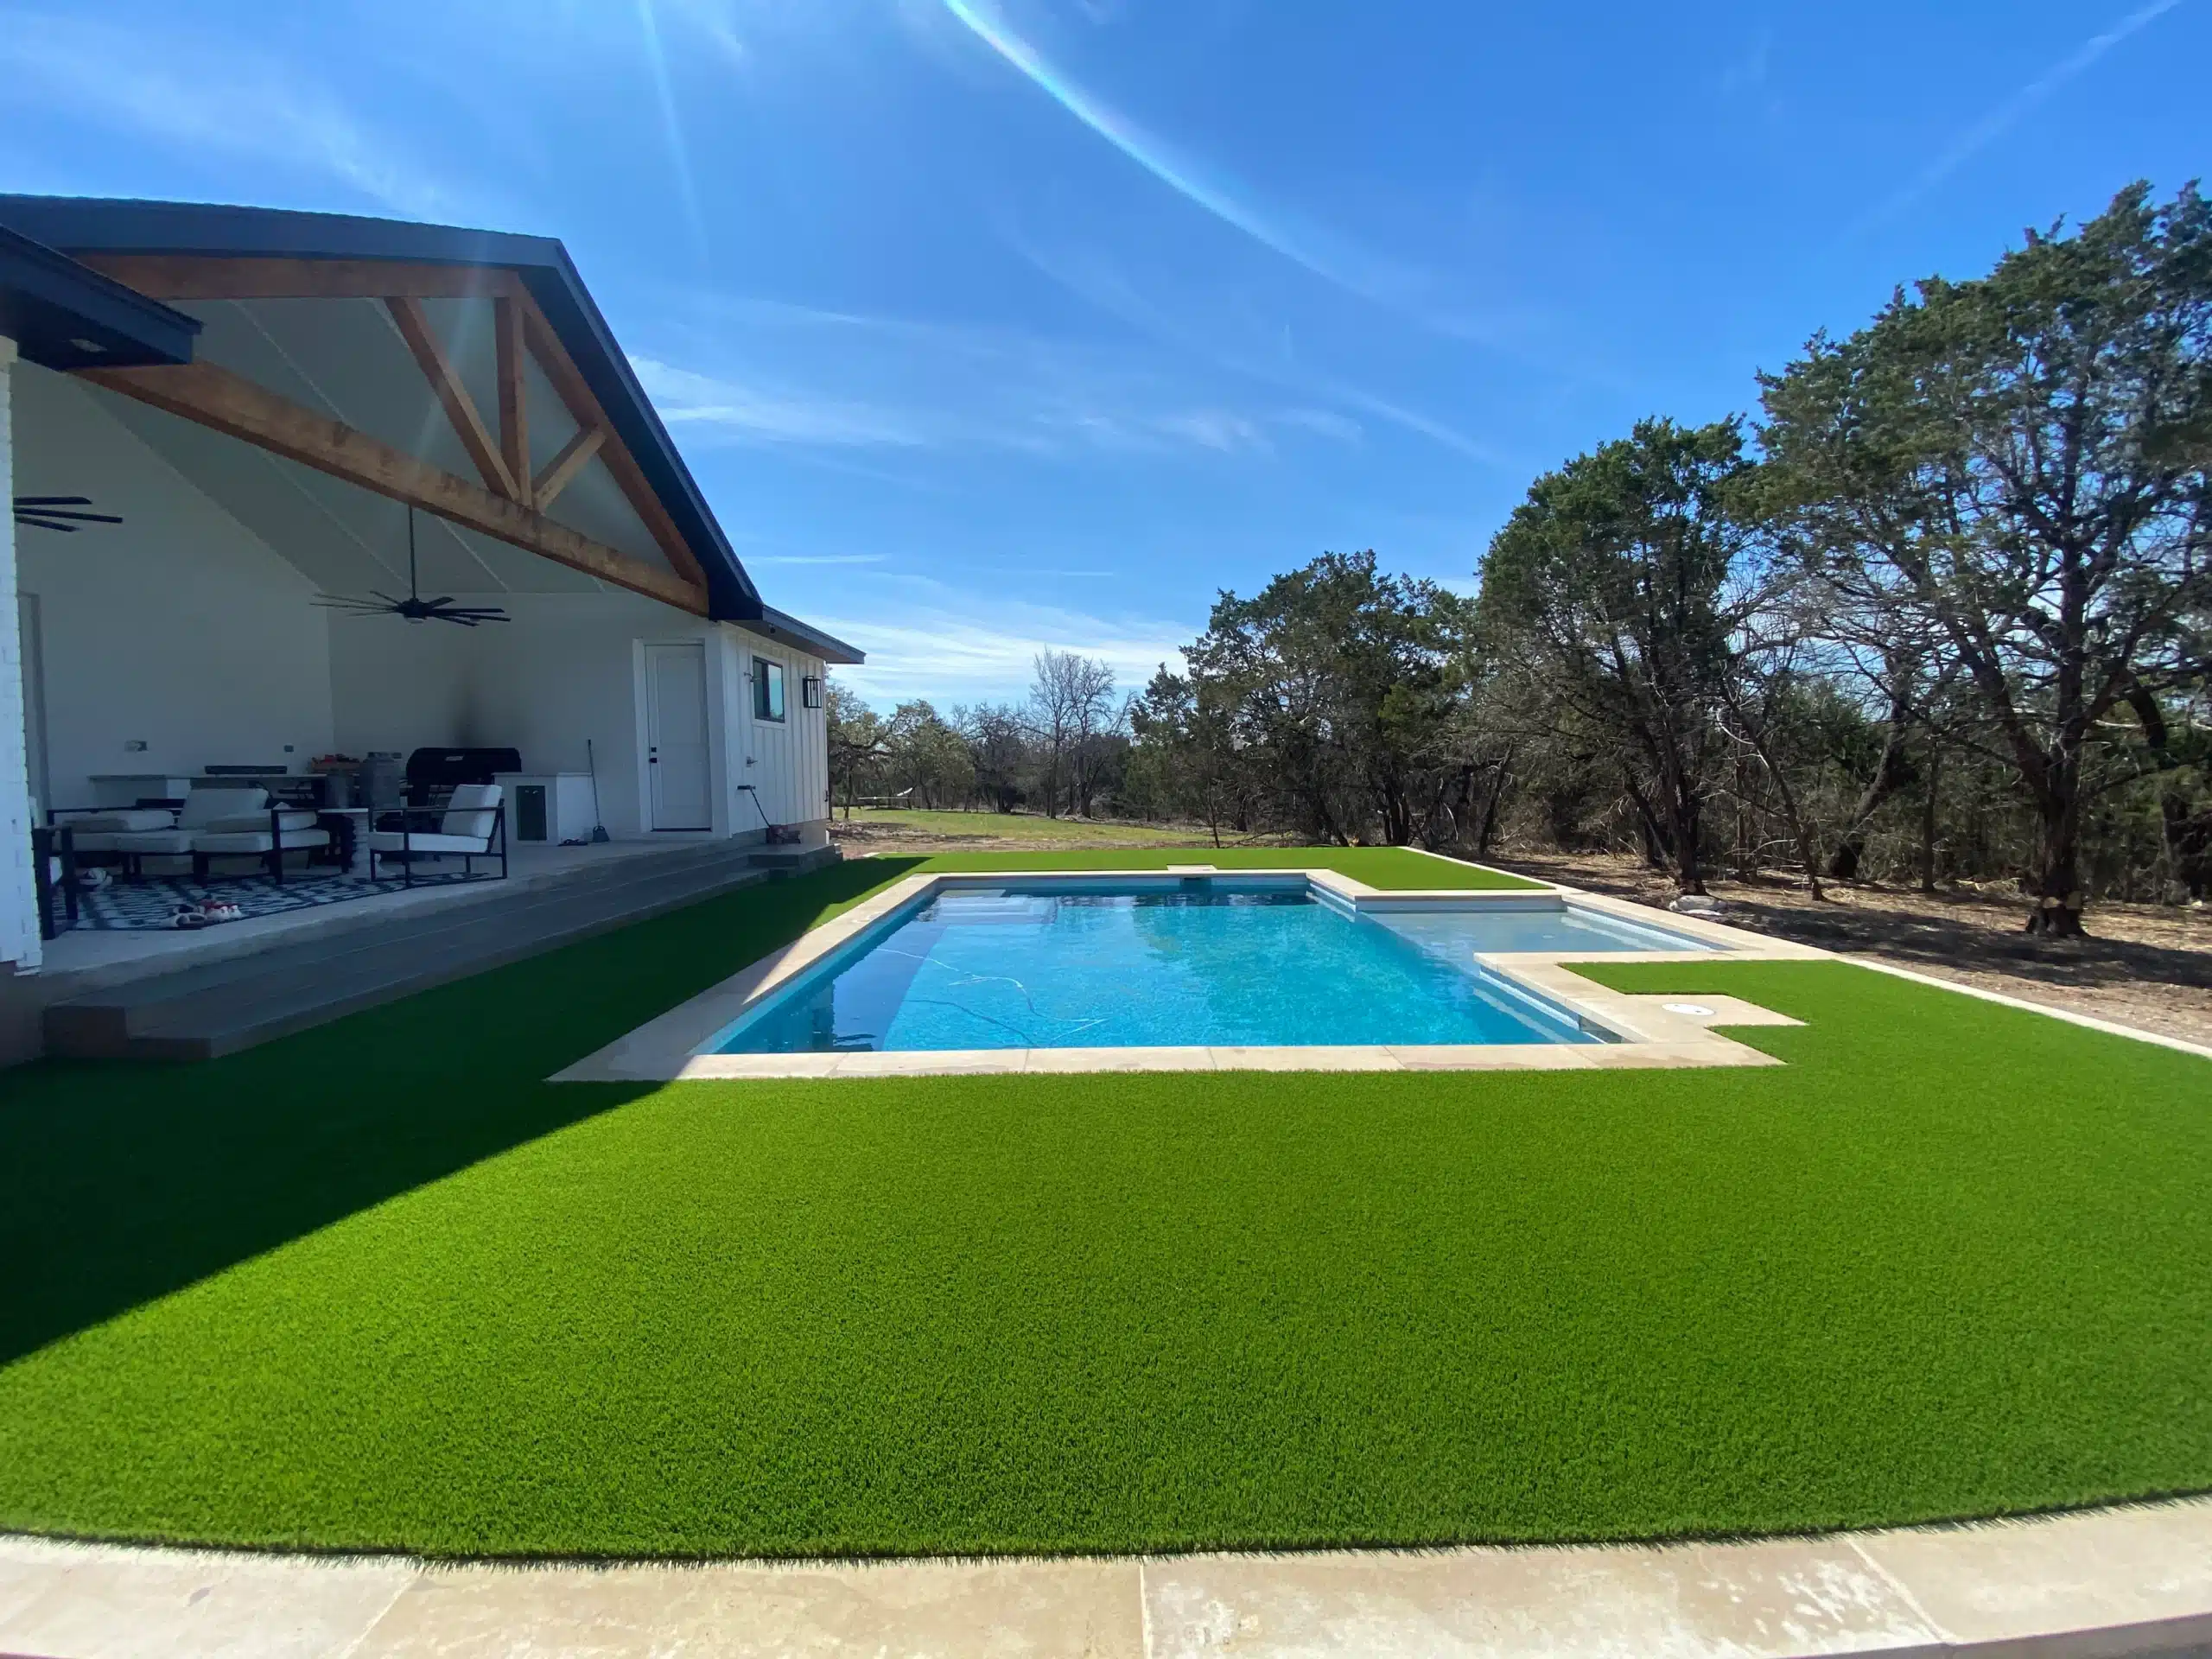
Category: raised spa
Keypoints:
(1251, 962)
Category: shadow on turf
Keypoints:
(122, 1182)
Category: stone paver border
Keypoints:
(2106, 1582)
(671, 1047)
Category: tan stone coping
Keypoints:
(2100, 1582)
(671, 1047)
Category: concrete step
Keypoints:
(222, 1007)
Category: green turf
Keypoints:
(376, 1286)
(1030, 826)
(1393, 867)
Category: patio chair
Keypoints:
(467, 824)
(212, 822)
(267, 835)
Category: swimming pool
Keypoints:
(1256, 961)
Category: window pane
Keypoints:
(767, 690)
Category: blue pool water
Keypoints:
(1217, 963)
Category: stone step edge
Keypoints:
(391, 932)
(2089, 1585)
(89, 1032)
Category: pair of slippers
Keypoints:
(206, 913)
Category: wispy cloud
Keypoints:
(764, 415)
(965, 648)
(1321, 252)
(216, 98)
(940, 386)
(815, 558)
(2007, 114)
(1092, 280)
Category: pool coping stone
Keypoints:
(668, 1048)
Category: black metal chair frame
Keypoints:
(273, 860)
(407, 854)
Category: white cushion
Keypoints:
(424, 840)
(151, 841)
(468, 812)
(131, 817)
(256, 840)
(259, 821)
(205, 808)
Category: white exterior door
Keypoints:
(676, 767)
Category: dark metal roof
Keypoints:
(789, 630)
(62, 316)
(87, 225)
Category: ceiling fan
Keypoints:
(58, 513)
(414, 607)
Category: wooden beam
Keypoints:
(229, 403)
(565, 466)
(460, 409)
(209, 277)
(575, 392)
(514, 397)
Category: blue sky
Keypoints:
(993, 324)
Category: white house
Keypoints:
(272, 404)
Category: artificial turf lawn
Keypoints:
(1392, 867)
(1953, 1259)
(1028, 826)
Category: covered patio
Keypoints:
(403, 498)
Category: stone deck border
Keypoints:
(2084, 1586)
(668, 1048)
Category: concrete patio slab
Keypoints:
(1782, 1599)
(2095, 1585)
(64, 1600)
(1008, 1609)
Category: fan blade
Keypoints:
(45, 523)
(54, 500)
(443, 598)
(82, 517)
(387, 598)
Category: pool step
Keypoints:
(218, 1008)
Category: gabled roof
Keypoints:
(102, 229)
(63, 316)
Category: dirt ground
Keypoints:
(2144, 965)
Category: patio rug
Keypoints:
(151, 902)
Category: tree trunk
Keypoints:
(1490, 809)
(1927, 821)
(1689, 868)
(1658, 851)
(1892, 773)
(2057, 888)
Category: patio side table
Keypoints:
(349, 829)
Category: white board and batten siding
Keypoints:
(19, 940)
(786, 762)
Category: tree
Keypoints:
(2016, 467)
(1341, 690)
(857, 735)
(998, 750)
(1618, 576)
(1069, 703)
(927, 757)
(1184, 757)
